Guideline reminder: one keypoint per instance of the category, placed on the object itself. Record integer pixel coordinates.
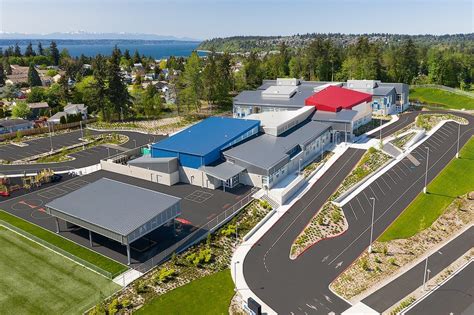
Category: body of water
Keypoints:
(155, 49)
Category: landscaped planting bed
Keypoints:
(374, 123)
(388, 257)
(428, 121)
(316, 163)
(401, 141)
(330, 221)
(372, 160)
(206, 258)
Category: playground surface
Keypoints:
(36, 280)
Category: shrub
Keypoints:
(229, 230)
(392, 261)
(385, 250)
(320, 220)
(364, 264)
(141, 287)
(165, 275)
(126, 303)
(265, 205)
(204, 256)
(377, 260)
(113, 307)
(336, 216)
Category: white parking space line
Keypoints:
(401, 169)
(433, 142)
(438, 138)
(450, 127)
(385, 182)
(391, 178)
(367, 198)
(353, 211)
(396, 173)
(383, 192)
(360, 204)
(375, 195)
(409, 167)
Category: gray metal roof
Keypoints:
(223, 171)
(114, 206)
(343, 115)
(266, 151)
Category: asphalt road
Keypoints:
(301, 285)
(456, 296)
(84, 158)
(406, 283)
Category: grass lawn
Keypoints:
(454, 180)
(107, 264)
(208, 295)
(35, 280)
(441, 98)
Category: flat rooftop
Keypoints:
(206, 136)
(114, 206)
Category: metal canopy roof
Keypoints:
(120, 211)
(223, 171)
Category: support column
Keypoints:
(128, 254)
(57, 226)
(90, 238)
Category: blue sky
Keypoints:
(217, 18)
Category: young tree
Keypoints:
(151, 101)
(54, 51)
(40, 49)
(2, 75)
(29, 52)
(253, 71)
(17, 51)
(192, 82)
(37, 94)
(33, 76)
(21, 110)
(210, 79)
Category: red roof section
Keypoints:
(335, 98)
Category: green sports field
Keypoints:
(35, 280)
(442, 98)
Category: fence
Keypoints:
(446, 88)
(35, 131)
(196, 236)
(57, 250)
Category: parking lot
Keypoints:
(81, 159)
(199, 206)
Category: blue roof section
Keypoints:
(206, 136)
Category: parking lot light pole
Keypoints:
(235, 274)
(459, 133)
(135, 142)
(372, 225)
(426, 171)
(424, 274)
(50, 137)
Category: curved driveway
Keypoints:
(82, 159)
(301, 286)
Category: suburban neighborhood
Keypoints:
(289, 173)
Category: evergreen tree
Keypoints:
(2, 75)
(224, 82)
(33, 76)
(29, 52)
(408, 61)
(136, 57)
(1, 52)
(54, 51)
(151, 101)
(40, 49)
(126, 54)
(17, 51)
(6, 66)
(99, 85)
(210, 79)
(253, 71)
(117, 90)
